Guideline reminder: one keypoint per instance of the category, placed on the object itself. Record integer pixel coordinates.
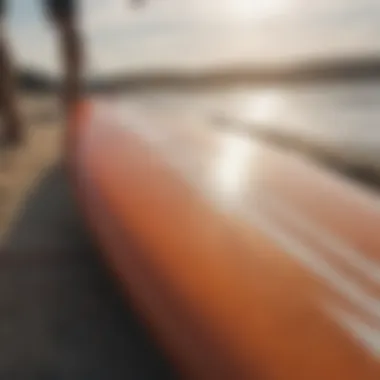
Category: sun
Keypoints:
(258, 8)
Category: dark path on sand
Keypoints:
(61, 316)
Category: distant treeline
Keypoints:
(29, 80)
(345, 69)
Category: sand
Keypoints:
(62, 314)
(21, 167)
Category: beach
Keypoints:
(62, 315)
(21, 167)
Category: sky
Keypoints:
(197, 34)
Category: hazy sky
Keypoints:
(196, 33)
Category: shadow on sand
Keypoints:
(61, 315)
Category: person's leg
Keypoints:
(12, 132)
(64, 15)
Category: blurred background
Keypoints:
(303, 74)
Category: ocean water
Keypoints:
(339, 121)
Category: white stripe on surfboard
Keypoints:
(292, 245)
(184, 161)
(310, 258)
(356, 259)
(367, 335)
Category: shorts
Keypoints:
(57, 9)
(2, 8)
(61, 9)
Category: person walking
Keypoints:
(63, 14)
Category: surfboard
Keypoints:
(244, 260)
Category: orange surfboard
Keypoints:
(245, 260)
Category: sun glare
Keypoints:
(232, 168)
(261, 108)
(258, 8)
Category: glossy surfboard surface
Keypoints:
(245, 261)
